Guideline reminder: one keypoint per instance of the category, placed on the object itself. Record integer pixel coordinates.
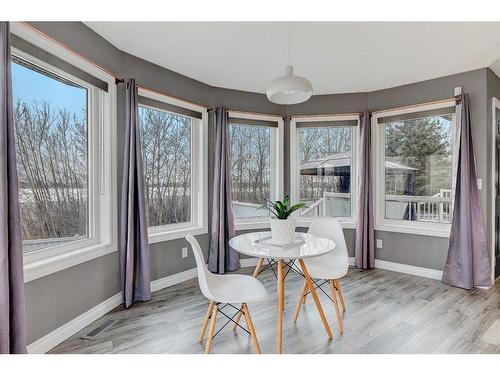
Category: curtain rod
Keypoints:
(250, 113)
(457, 99)
(121, 80)
(72, 51)
(170, 96)
(329, 115)
(117, 78)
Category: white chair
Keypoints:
(226, 291)
(328, 268)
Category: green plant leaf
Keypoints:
(286, 200)
(281, 209)
(296, 207)
(269, 207)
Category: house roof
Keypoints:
(337, 164)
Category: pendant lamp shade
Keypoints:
(289, 89)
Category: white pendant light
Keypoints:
(289, 89)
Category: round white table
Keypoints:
(259, 244)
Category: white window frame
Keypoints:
(346, 222)
(276, 166)
(199, 169)
(495, 105)
(102, 216)
(378, 174)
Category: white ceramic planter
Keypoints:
(283, 231)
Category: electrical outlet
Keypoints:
(184, 252)
(380, 244)
(479, 183)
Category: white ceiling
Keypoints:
(335, 56)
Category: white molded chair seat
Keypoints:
(236, 288)
(318, 270)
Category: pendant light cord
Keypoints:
(289, 43)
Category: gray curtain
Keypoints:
(12, 312)
(468, 264)
(365, 234)
(134, 246)
(221, 257)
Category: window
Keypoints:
(256, 157)
(251, 169)
(174, 157)
(324, 165)
(51, 118)
(415, 167)
(64, 113)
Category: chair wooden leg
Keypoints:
(339, 291)
(316, 299)
(205, 321)
(302, 300)
(255, 274)
(251, 328)
(211, 330)
(336, 304)
(257, 267)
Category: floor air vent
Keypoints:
(92, 335)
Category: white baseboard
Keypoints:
(173, 279)
(190, 274)
(405, 268)
(54, 338)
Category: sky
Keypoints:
(30, 86)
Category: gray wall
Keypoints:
(414, 248)
(421, 251)
(53, 300)
(60, 297)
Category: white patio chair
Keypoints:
(328, 268)
(226, 291)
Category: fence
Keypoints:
(436, 208)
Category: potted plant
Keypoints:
(282, 225)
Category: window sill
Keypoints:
(433, 230)
(345, 223)
(261, 223)
(301, 223)
(40, 267)
(35, 269)
(175, 234)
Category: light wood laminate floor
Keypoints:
(387, 312)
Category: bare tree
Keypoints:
(166, 154)
(52, 166)
(250, 163)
